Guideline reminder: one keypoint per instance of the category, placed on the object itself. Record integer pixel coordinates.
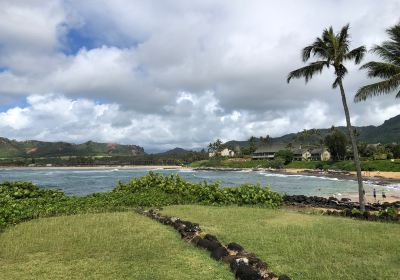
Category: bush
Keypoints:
(203, 193)
(22, 201)
(286, 155)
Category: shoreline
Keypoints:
(384, 178)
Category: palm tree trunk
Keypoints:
(355, 150)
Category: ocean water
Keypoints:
(87, 181)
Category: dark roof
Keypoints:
(271, 148)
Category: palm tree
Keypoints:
(389, 70)
(333, 50)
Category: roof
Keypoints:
(271, 148)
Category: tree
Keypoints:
(336, 142)
(216, 147)
(265, 140)
(286, 155)
(389, 69)
(332, 50)
(252, 144)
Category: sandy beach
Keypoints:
(365, 174)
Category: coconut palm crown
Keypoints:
(331, 50)
(389, 69)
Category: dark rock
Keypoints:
(235, 247)
(245, 272)
(284, 277)
(207, 244)
(195, 239)
(211, 237)
(234, 265)
(219, 253)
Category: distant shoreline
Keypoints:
(98, 167)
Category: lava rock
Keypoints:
(284, 277)
(219, 253)
(235, 247)
(195, 239)
(245, 272)
(207, 244)
(211, 237)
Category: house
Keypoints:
(320, 154)
(224, 153)
(299, 153)
(268, 151)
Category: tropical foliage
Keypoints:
(21, 201)
(388, 69)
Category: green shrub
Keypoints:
(21, 201)
(203, 193)
(355, 211)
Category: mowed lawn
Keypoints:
(102, 246)
(305, 246)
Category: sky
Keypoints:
(165, 74)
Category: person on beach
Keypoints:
(374, 194)
(383, 195)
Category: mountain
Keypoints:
(388, 132)
(32, 148)
(175, 151)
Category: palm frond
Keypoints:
(306, 53)
(357, 54)
(382, 70)
(379, 88)
(386, 54)
(394, 33)
(308, 71)
(343, 39)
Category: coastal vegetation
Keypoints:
(346, 165)
(22, 201)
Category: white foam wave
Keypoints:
(298, 176)
(186, 170)
(393, 187)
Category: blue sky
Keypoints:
(177, 73)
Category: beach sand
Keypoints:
(365, 174)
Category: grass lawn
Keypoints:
(305, 246)
(102, 246)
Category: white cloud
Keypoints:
(177, 73)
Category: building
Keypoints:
(224, 153)
(268, 151)
(299, 153)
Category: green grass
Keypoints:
(102, 246)
(305, 246)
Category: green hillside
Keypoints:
(32, 148)
(386, 133)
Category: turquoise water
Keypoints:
(87, 181)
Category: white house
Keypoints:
(224, 153)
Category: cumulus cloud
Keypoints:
(176, 73)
